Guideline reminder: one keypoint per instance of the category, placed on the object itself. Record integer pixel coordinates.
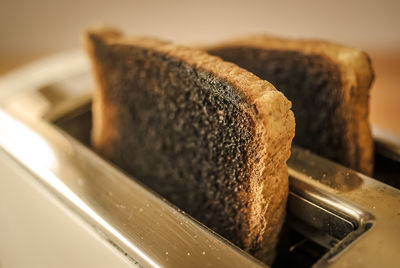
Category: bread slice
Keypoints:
(207, 135)
(328, 84)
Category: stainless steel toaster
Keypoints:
(336, 217)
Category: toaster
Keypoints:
(336, 217)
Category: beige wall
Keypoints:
(41, 26)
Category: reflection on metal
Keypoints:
(353, 216)
(333, 176)
(387, 144)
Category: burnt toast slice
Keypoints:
(210, 137)
(329, 87)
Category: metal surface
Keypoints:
(355, 217)
(373, 208)
(387, 144)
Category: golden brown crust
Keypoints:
(356, 75)
(104, 118)
(271, 115)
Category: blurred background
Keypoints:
(31, 30)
